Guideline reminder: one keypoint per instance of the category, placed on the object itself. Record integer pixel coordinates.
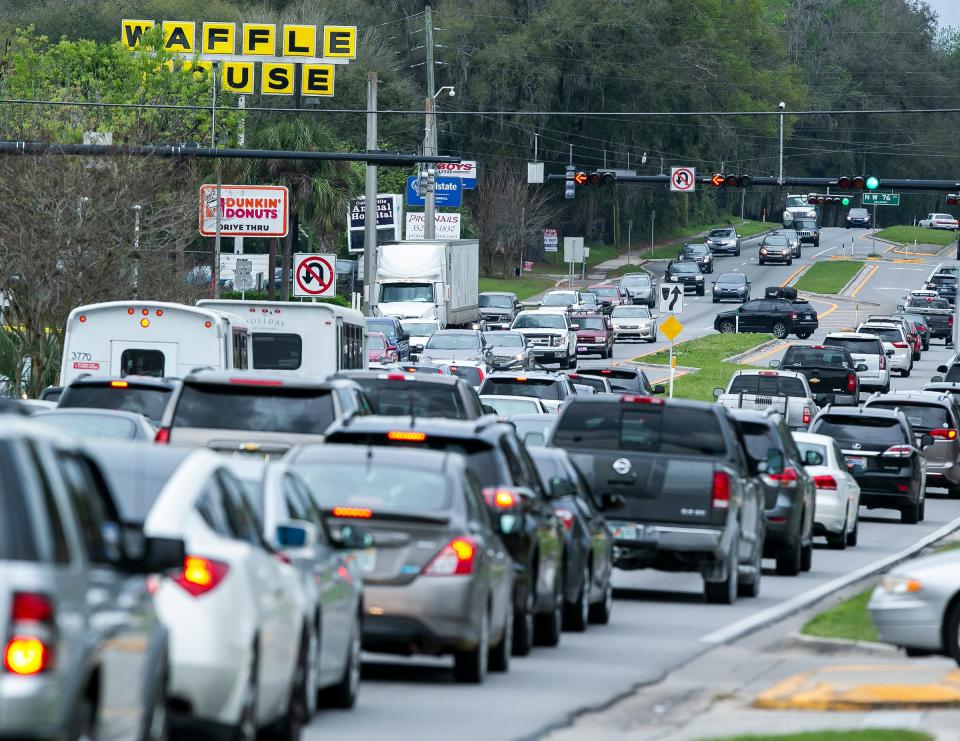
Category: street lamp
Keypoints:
(781, 108)
(429, 150)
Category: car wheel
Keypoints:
(838, 541)
(470, 666)
(523, 625)
(951, 632)
(916, 355)
(499, 660)
(790, 261)
(905, 373)
(246, 727)
(806, 556)
(737, 253)
(83, 727)
(926, 345)
(700, 291)
(716, 300)
(156, 723)
(910, 515)
(761, 262)
(290, 726)
(854, 535)
(789, 559)
(725, 592)
(923, 509)
(779, 330)
(344, 693)
(576, 614)
(727, 327)
(751, 587)
(600, 611)
(547, 628)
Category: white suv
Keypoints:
(895, 339)
(554, 338)
(866, 349)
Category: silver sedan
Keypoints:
(633, 323)
(916, 606)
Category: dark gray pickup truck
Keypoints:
(937, 313)
(676, 486)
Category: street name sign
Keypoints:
(881, 199)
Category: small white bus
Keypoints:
(150, 338)
(306, 338)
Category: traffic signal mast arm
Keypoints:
(899, 184)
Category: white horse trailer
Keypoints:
(311, 339)
(150, 338)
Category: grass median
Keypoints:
(865, 734)
(911, 234)
(706, 354)
(523, 287)
(828, 277)
(849, 619)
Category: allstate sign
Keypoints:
(448, 193)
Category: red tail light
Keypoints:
(898, 451)
(271, 382)
(900, 344)
(851, 382)
(28, 649)
(787, 479)
(806, 415)
(949, 321)
(943, 434)
(721, 490)
(903, 487)
(163, 436)
(566, 517)
(200, 575)
(883, 362)
(641, 400)
(455, 558)
(500, 498)
(31, 607)
(396, 376)
(406, 436)
(825, 482)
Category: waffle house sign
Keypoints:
(256, 57)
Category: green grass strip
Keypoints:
(910, 234)
(848, 619)
(829, 276)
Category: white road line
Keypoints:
(823, 252)
(777, 613)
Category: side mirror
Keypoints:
(774, 462)
(560, 488)
(296, 534)
(812, 458)
(160, 555)
(659, 389)
(860, 367)
(351, 538)
(718, 392)
(942, 369)
(487, 409)
(508, 523)
(774, 364)
(899, 307)
(926, 440)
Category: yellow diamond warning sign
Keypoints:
(671, 328)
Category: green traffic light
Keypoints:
(845, 201)
(872, 183)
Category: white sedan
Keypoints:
(837, 513)
(507, 406)
(939, 221)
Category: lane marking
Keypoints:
(828, 312)
(793, 275)
(870, 273)
(766, 353)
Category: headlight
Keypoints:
(900, 585)
(518, 356)
(699, 277)
(763, 251)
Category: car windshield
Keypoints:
(788, 233)
(634, 280)
(588, 299)
(508, 407)
(495, 302)
(858, 213)
(396, 398)
(416, 292)
(90, 425)
(733, 279)
(854, 429)
(237, 406)
(504, 339)
(631, 312)
(766, 384)
(696, 249)
(640, 427)
(812, 356)
(376, 342)
(377, 487)
(923, 302)
(539, 321)
(383, 326)
(150, 402)
(620, 380)
(606, 291)
(681, 267)
(796, 201)
(444, 341)
(776, 240)
(559, 298)
(922, 417)
(419, 329)
(542, 388)
(944, 279)
(139, 473)
(807, 224)
(887, 334)
(590, 322)
(857, 345)
(721, 233)
(534, 430)
(593, 382)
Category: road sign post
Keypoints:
(671, 328)
(243, 277)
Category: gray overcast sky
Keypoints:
(948, 10)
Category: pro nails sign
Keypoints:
(238, 50)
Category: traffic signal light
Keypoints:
(844, 201)
(422, 183)
(820, 199)
(872, 183)
(431, 180)
(601, 178)
(735, 181)
(858, 182)
(843, 182)
(717, 180)
(953, 199)
(569, 186)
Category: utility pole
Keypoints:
(370, 202)
(137, 208)
(780, 176)
(629, 236)
(430, 137)
(215, 268)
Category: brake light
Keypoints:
(272, 382)
(898, 451)
(200, 575)
(825, 482)
(25, 655)
(566, 517)
(406, 436)
(640, 400)
(499, 498)
(949, 321)
(605, 372)
(883, 362)
(162, 436)
(119, 384)
(520, 379)
(806, 415)
(851, 382)
(360, 513)
(900, 344)
(768, 373)
(31, 607)
(455, 558)
(793, 315)
(391, 347)
(397, 376)
(943, 434)
(721, 490)
(787, 479)
(903, 487)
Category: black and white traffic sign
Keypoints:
(671, 298)
(314, 276)
(683, 179)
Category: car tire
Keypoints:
(905, 373)
(600, 611)
(344, 693)
(789, 559)
(156, 725)
(470, 666)
(779, 330)
(737, 253)
(547, 628)
(806, 556)
(951, 632)
(725, 592)
(83, 727)
(751, 587)
(790, 261)
(727, 327)
(854, 535)
(500, 654)
(716, 300)
(910, 515)
(700, 291)
(290, 726)
(838, 541)
(523, 624)
(576, 614)
(803, 335)
(246, 727)
(761, 262)
(926, 345)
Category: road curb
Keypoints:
(756, 350)
(853, 281)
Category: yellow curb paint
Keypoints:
(862, 283)
(793, 275)
(765, 354)
(828, 312)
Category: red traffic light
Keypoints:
(821, 200)
(717, 180)
(580, 178)
(731, 181)
(843, 182)
(734, 181)
(600, 178)
(812, 200)
(859, 182)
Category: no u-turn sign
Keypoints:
(683, 179)
(314, 276)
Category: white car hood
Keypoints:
(540, 330)
(409, 310)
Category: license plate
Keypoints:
(581, 348)
(856, 462)
(808, 316)
(625, 532)
(367, 560)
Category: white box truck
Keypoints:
(436, 279)
(306, 338)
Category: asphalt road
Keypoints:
(659, 620)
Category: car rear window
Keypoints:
(384, 327)
(767, 385)
(137, 476)
(272, 351)
(469, 373)
(17, 542)
(887, 334)
(922, 417)
(593, 382)
(90, 425)
(620, 380)
(759, 439)
(919, 302)
(857, 345)
(377, 487)
(806, 356)
(408, 398)
(255, 408)
(869, 430)
(148, 401)
(648, 428)
(542, 388)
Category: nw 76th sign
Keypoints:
(881, 199)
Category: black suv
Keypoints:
(515, 496)
(777, 316)
(687, 274)
(789, 496)
(418, 394)
(878, 445)
(698, 253)
(626, 379)
(141, 394)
